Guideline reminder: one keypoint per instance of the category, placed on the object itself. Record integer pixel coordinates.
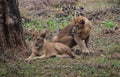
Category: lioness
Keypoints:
(76, 33)
(44, 49)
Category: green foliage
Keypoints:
(28, 24)
(109, 24)
(41, 24)
(51, 24)
(100, 41)
(3, 72)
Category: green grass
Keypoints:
(109, 24)
(50, 24)
(94, 66)
(28, 24)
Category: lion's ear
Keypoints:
(82, 22)
(43, 34)
(75, 20)
(34, 36)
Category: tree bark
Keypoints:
(11, 31)
(119, 2)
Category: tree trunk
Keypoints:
(119, 2)
(11, 31)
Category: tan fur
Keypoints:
(45, 49)
(77, 33)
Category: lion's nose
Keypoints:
(73, 31)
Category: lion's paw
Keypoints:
(86, 51)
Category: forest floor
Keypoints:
(104, 41)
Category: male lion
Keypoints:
(44, 49)
(77, 32)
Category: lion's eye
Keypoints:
(38, 39)
(77, 25)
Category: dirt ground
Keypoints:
(104, 41)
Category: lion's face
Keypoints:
(79, 24)
(39, 40)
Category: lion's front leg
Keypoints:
(40, 57)
(82, 44)
(31, 57)
(84, 47)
